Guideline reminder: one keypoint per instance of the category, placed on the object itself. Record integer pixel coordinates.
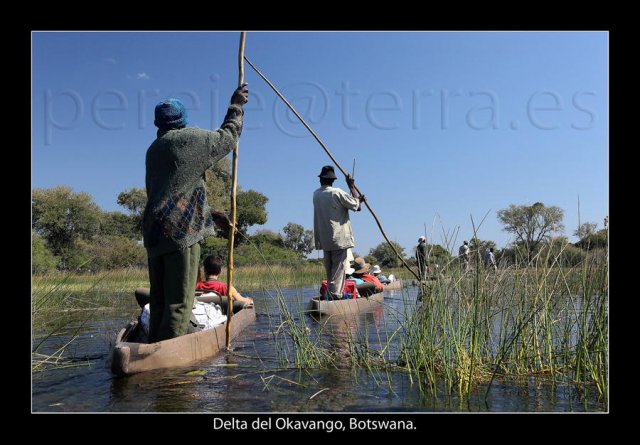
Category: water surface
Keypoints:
(252, 379)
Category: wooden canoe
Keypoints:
(130, 357)
(395, 285)
(212, 297)
(142, 297)
(344, 307)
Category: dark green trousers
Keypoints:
(173, 283)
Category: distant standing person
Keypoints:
(176, 216)
(490, 260)
(464, 255)
(332, 228)
(421, 257)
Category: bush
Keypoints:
(62, 216)
(567, 254)
(119, 224)
(438, 254)
(267, 237)
(215, 246)
(42, 259)
(265, 243)
(386, 256)
(596, 240)
(247, 254)
(371, 260)
(79, 258)
(516, 254)
(116, 252)
(106, 253)
(572, 256)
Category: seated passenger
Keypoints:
(349, 274)
(377, 272)
(361, 270)
(212, 268)
(348, 291)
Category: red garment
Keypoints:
(374, 280)
(349, 286)
(212, 285)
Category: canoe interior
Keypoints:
(130, 357)
(142, 297)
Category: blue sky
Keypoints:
(443, 126)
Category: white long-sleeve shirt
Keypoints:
(489, 258)
(331, 225)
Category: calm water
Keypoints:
(251, 378)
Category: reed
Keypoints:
(63, 304)
(533, 318)
(296, 344)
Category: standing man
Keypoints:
(421, 257)
(463, 254)
(332, 227)
(490, 260)
(177, 216)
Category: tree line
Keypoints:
(537, 231)
(70, 232)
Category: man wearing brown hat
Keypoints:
(361, 270)
(332, 228)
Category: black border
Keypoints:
(429, 426)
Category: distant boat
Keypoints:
(394, 285)
(344, 307)
(131, 357)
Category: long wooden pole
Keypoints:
(313, 133)
(234, 186)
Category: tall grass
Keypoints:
(61, 306)
(532, 318)
(263, 276)
(249, 278)
(295, 342)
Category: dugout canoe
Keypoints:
(344, 307)
(130, 357)
(395, 285)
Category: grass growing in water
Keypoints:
(532, 318)
(61, 306)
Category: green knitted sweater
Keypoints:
(177, 214)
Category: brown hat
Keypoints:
(360, 266)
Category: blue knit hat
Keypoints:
(170, 114)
